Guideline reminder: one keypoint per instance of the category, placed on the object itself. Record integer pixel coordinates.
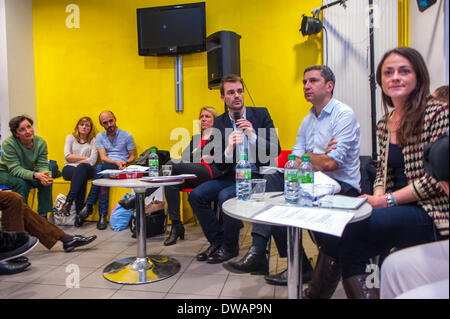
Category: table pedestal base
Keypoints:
(135, 271)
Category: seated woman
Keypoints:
(80, 152)
(193, 161)
(409, 205)
(188, 165)
(24, 163)
(19, 217)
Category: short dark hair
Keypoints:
(325, 72)
(15, 122)
(229, 78)
(441, 93)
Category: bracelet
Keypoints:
(393, 199)
(390, 200)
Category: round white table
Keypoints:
(246, 210)
(143, 268)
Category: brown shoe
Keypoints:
(325, 278)
(208, 252)
(356, 288)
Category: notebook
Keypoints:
(345, 202)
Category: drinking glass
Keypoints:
(258, 189)
(320, 191)
(166, 170)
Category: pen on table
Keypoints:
(276, 195)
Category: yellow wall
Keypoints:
(96, 67)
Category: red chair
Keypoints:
(283, 158)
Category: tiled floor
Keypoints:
(51, 274)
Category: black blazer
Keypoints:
(262, 153)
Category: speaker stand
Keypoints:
(179, 83)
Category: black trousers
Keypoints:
(79, 175)
(172, 193)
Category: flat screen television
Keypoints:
(171, 30)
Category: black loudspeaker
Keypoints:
(224, 56)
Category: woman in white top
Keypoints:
(80, 152)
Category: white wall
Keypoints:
(4, 97)
(349, 55)
(429, 35)
(17, 82)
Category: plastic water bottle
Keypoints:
(291, 180)
(243, 178)
(49, 169)
(306, 181)
(153, 164)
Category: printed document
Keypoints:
(324, 220)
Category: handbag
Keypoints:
(163, 157)
(155, 219)
(57, 217)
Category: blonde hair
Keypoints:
(209, 109)
(91, 133)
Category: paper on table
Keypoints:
(131, 168)
(329, 221)
(170, 177)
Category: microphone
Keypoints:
(237, 116)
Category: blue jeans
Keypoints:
(100, 192)
(399, 226)
(200, 199)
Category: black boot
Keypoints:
(176, 231)
(78, 220)
(325, 278)
(101, 224)
(254, 262)
(86, 211)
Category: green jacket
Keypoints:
(22, 162)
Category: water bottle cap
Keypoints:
(291, 157)
(243, 156)
(305, 158)
(153, 150)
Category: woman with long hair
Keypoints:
(80, 152)
(409, 206)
